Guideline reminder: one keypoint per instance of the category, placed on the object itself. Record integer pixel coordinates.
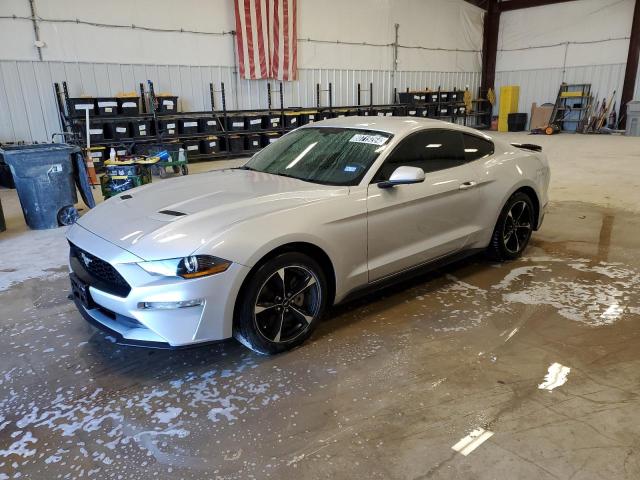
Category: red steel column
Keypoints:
(632, 65)
(490, 45)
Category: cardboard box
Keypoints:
(540, 116)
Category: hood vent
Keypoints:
(173, 213)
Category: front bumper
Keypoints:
(121, 316)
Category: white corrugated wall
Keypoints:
(541, 86)
(28, 110)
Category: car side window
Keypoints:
(430, 150)
(476, 148)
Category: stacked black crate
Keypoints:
(210, 145)
(253, 122)
(271, 121)
(252, 142)
(107, 106)
(167, 104)
(269, 137)
(291, 120)
(188, 126)
(167, 126)
(128, 105)
(141, 128)
(78, 106)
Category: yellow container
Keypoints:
(509, 96)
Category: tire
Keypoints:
(162, 172)
(269, 323)
(67, 215)
(176, 169)
(513, 228)
(185, 170)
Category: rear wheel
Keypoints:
(281, 304)
(513, 228)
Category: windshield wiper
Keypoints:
(246, 167)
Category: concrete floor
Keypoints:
(385, 387)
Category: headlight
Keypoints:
(201, 265)
(194, 266)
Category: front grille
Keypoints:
(97, 273)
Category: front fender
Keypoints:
(337, 227)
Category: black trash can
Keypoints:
(44, 180)
(516, 122)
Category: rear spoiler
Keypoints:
(528, 146)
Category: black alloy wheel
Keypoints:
(513, 229)
(281, 303)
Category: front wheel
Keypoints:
(281, 304)
(513, 228)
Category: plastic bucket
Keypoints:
(44, 180)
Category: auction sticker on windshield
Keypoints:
(371, 139)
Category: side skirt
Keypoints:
(408, 274)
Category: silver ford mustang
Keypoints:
(331, 209)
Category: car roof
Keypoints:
(395, 125)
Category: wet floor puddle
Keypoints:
(72, 402)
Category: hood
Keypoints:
(175, 217)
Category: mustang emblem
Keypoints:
(85, 259)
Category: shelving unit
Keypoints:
(482, 111)
(439, 104)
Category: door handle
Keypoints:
(467, 185)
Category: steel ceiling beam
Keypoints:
(478, 3)
(506, 6)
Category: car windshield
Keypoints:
(330, 156)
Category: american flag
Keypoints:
(266, 38)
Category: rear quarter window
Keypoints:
(476, 147)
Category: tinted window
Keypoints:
(431, 151)
(331, 156)
(476, 147)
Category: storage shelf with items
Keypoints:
(441, 104)
(481, 112)
(134, 122)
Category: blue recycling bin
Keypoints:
(44, 175)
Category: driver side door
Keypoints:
(409, 225)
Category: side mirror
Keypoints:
(403, 176)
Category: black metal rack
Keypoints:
(74, 126)
(452, 108)
(481, 111)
